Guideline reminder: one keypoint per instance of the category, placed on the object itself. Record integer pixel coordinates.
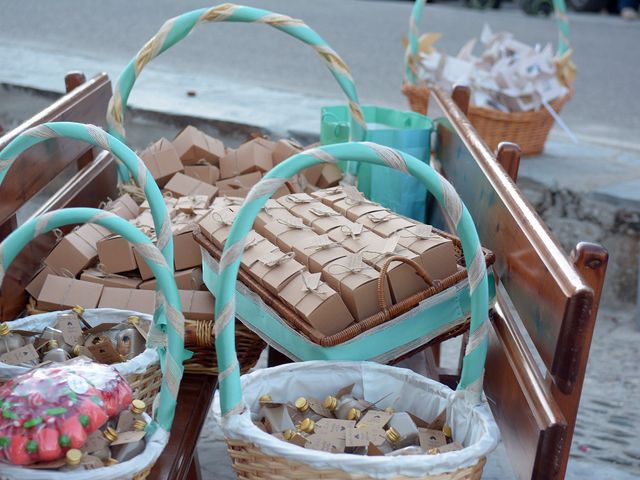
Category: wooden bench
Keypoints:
(533, 384)
(92, 179)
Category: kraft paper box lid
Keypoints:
(318, 251)
(357, 284)
(329, 196)
(197, 305)
(274, 269)
(312, 174)
(270, 215)
(330, 176)
(384, 223)
(61, 293)
(252, 156)
(284, 149)
(437, 254)
(353, 212)
(116, 254)
(284, 231)
(193, 145)
(309, 212)
(216, 225)
(162, 160)
(143, 301)
(110, 280)
(320, 305)
(255, 246)
(326, 224)
(205, 173)
(181, 185)
(189, 279)
(241, 182)
(124, 206)
(294, 200)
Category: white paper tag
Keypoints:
(422, 231)
(311, 281)
(390, 244)
(354, 195)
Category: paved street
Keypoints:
(235, 67)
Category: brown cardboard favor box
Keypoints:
(357, 283)
(61, 293)
(437, 253)
(162, 160)
(253, 156)
(329, 196)
(330, 176)
(271, 211)
(197, 305)
(193, 145)
(189, 279)
(316, 302)
(354, 210)
(205, 173)
(181, 185)
(275, 269)
(385, 223)
(254, 248)
(143, 301)
(124, 206)
(284, 149)
(316, 252)
(109, 279)
(36, 283)
(402, 279)
(116, 254)
(240, 183)
(296, 201)
(186, 252)
(77, 250)
(286, 232)
(354, 237)
(217, 225)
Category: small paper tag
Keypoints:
(90, 462)
(318, 407)
(374, 418)
(361, 437)
(125, 421)
(71, 329)
(420, 423)
(323, 241)
(345, 390)
(374, 451)
(293, 222)
(431, 438)
(438, 422)
(323, 211)
(129, 437)
(104, 352)
(311, 281)
(331, 426)
(354, 262)
(380, 217)
(95, 442)
(300, 198)
(271, 259)
(422, 231)
(25, 354)
(103, 327)
(353, 194)
(326, 443)
(390, 244)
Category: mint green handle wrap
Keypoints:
(96, 136)
(177, 28)
(475, 355)
(411, 52)
(171, 355)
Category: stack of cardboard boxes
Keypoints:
(92, 268)
(322, 254)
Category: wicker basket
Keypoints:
(256, 454)
(527, 129)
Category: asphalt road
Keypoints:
(46, 39)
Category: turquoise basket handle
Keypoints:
(411, 52)
(177, 28)
(171, 354)
(476, 351)
(126, 157)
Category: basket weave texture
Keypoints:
(250, 463)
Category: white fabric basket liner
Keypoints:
(473, 426)
(125, 470)
(94, 316)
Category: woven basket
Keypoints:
(167, 331)
(256, 454)
(529, 130)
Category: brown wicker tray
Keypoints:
(292, 318)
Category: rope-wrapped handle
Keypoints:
(171, 333)
(411, 52)
(177, 28)
(476, 351)
(382, 279)
(126, 157)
